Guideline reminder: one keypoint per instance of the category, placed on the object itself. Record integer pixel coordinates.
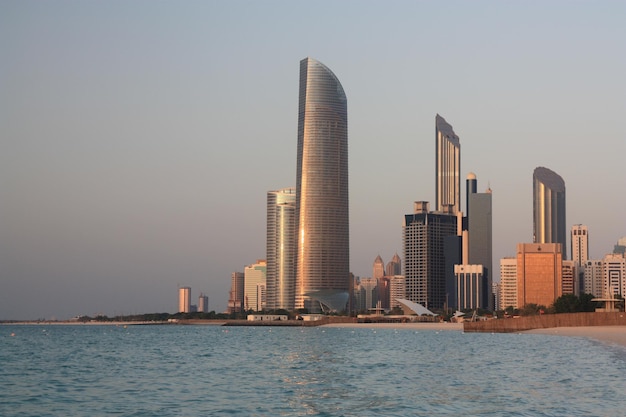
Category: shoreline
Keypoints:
(607, 334)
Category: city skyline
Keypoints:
(140, 139)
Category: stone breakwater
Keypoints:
(545, 321)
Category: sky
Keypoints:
(139, 139)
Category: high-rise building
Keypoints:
(396, 290)
(322, 216)
(480, 236)
(378, 269)
(394, 266)
(539, 273)
(281, 248)
(447, 168)
(254, 276)
(592, 276)
(203, 303)
(549, 208)
(236, 293)
(614, 274)
(569, 278)
(184, 299)
(508, 283)
(580, 244)
(424, 233)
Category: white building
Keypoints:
(253, 275)
(508, 283)
(469, 286)
(614, 274)
(396, 290)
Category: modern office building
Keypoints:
(236, 293)
(447, 168)
(397, 290)
(184, 300)
(366, 294)
(549, 208)
(322, 216)
(203, 303)
(592, 276)
(423, 234)
(281, 249)
(480, 236)
(569, 278)
(378, 269)
(580, 244)
(539, 273)
(254, 276)
(469, 287)
(394, 266)
(508, 283)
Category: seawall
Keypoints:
(544, 321)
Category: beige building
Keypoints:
(254, 278)
(508, 283)
(184, 299)
(569, 278)
(539, 273)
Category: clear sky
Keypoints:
(139, 139)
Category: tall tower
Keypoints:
(254, 282)
(424, 234)
(480, 237)
(448, 168)
(236, 293)
(323, 257)
(549, 208)
(281, 248)
(378, 269)
(184, 299)
(394, 266)
(580, 244)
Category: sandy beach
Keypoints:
(610, 334)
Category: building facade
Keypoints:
(281, 249)
(397, 290)
(184, 300)
(480, 237)
(539, 273)
(508, 283)
(236, 293)
(549, 208)
(254, 277)
(469, 286)
(614, 274)
(394, 266)
(569, 278)
(322, 216)
(447, 168)
(424, 233)
(580, 244)
(203, 303)
(592, 276)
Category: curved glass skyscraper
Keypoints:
(323, 258)
(549, 208)
(448, 168)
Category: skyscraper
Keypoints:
(549, 208)
(254, 286)
(424, 234)
(394, 266)
(184, 299)
(378, 269)
(447, 168)
(323, 256)
(236, 293)
(281, 248)
(480, 236)
(580, 244)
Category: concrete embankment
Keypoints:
(545, 321)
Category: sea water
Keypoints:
(169, 370)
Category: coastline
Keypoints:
(607, 334)
(438, 326)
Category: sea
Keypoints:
(204, 370)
